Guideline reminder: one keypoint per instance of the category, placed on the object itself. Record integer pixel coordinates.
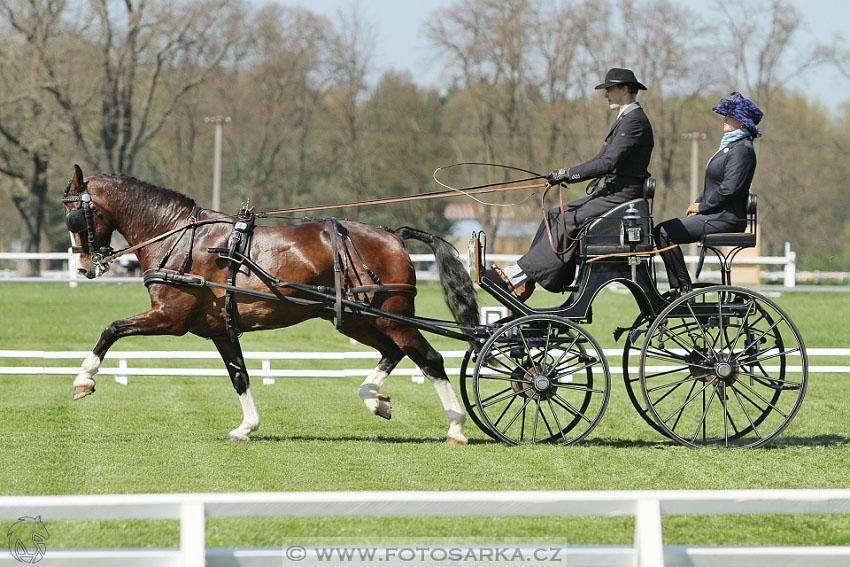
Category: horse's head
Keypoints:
(91, 229)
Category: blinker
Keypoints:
(76, 221)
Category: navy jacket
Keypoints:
(625, 153)
(728, 176)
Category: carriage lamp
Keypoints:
(633, 232)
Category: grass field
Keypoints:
(167, 435)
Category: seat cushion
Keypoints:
(738, 239)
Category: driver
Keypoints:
(618, 171)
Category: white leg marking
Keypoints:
(250, 418)
(369, 391)
(84, 382)
(454, 411)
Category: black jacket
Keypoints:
(728, 176)
(625, 153)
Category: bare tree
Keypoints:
(352, 50)
(137, 70)
(26, 131)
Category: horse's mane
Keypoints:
(153, 194)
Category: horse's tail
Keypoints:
(457, 286)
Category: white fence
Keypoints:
(268, 374)
(788, 263)
(646, 507)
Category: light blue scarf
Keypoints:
(728, 138)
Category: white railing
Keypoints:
(646, 507)
(788, 262)
(268, 374)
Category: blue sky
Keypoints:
(400, 45)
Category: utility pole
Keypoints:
(695, 138)
(219, 122)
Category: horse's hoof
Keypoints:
(384, 408)
(83, 391)
(234, 437)
(456, 440)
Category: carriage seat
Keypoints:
(737, 241)
(625, 228)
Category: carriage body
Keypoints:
(720, 366)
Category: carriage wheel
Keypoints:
(729, 369)
(541, 379)
(468, 397)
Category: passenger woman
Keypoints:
(723, 203)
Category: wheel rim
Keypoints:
(733, 369)
(541, 379)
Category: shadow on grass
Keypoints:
(781, 443)
(816, 441)
(368, 438)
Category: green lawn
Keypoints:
(163, 434)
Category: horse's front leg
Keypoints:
(231, 354)
(153, 322)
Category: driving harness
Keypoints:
(237, 254)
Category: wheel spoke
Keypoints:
(704, 413)
(527, 349)
(757, 357)
(678, 417)
(578, 387)
(744, 325)
(746, 413)
(499, 393)
(765, 376)
(686, 402)
(503, 398)
(504, 411)
(569, 407)
(679, 382)
(762, 398)
(516, 415)
(557, 421)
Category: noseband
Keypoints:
(81, 220)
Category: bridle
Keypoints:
(81, 220)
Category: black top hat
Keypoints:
(617, 76)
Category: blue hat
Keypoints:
(742, 109)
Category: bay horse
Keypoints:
(152, 217)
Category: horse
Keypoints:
(172, 235)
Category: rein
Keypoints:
(478, 189)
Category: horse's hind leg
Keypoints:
(391, 355)
(231, 354)
(414, 345)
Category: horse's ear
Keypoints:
(77, 181)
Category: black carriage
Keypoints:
(719, 366)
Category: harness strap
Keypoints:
(401, 287)
(332, 228)
(237, 246)
(191, 220)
